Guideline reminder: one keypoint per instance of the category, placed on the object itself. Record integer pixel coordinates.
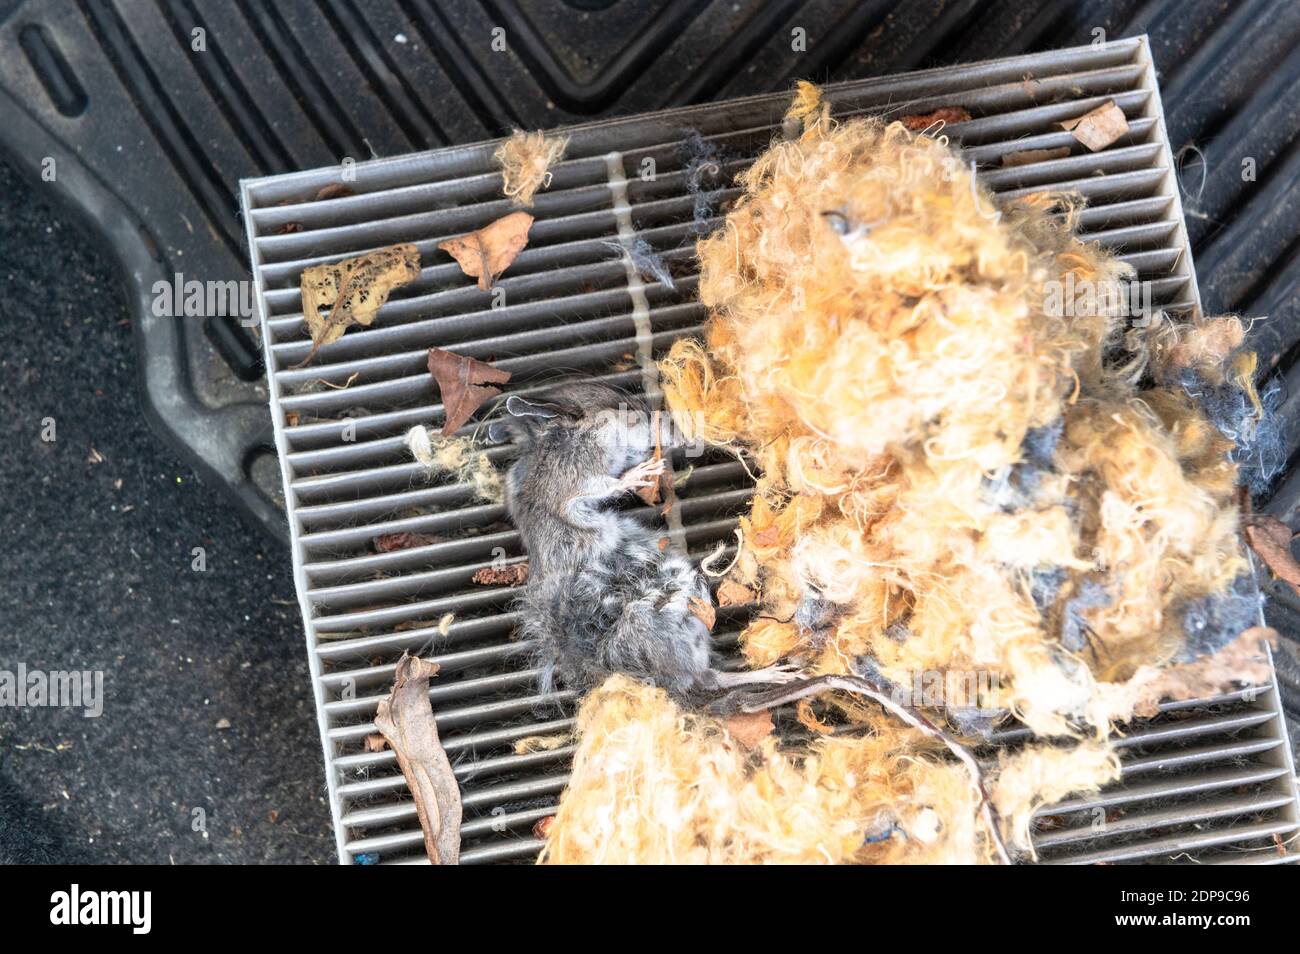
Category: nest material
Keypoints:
(960, 473)
(458, 457)
(525, 160)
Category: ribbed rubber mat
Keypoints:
(1213, 779)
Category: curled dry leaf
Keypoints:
(513, 574)
(703, 611)
(731, 593)
(1271, 539)
(944, 114)
(464, 384)
(375, 742)
(1027, 156)
(487, 253)
(750, 728)
(1100, 127)
(406, 720)
(353, 291)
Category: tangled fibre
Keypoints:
(971, 461)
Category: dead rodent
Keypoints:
(602, 596)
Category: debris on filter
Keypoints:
(1028, 156)
(335, 190)
(353, 290)
(541, 743)
(1270, 538)
(1215, 620)
(405, 718)
(525, 160)
(460, 457)
(1099, 127)
(486, 253)
(1092, 595)
(702, 161)
(512, 574)
(944, 114)
(750, 728)
(463, 385)
(1040, 775)
(655, 784)
(645, 261)
(731, 593)
(391, 542)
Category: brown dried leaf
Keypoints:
(464, 384)
(944, 114)
(375, 742)
(542, 827)
(487, 253)
(750, 728)
(1100, 127)
(388, 542)
(769, 536)
(512, 574)
(1243, 660)
(731, 593)
(406, 720)
(1028, 156)
(703, 611)
(335, 190)
(353, 290)
(1271, 539)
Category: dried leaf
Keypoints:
(353, 290)
(1271, 539)
(289, 228)
(731, 593)
(703, 611)
(1100, 127)
(542, 827)
(388, 542)
(944, 114)
(750, 728)
(769, 536)
(335, 190)
(406, 720)
(1028, 156)
(1244, 660)
(464, 385)
(512, 574)
(375, 742)
(487, 253)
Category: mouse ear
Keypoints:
(521, 407)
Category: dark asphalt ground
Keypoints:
(95, 573)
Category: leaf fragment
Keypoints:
(512, 574)
(353, 291)
(1271, 539)
(750, 728)
(731, 593)
(1099, 127)
(944, 114)
(406, 720)
(464, 384)
(1027, 156)
(703, 611)
(487, 253)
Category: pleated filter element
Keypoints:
(1212, 779)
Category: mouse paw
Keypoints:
(644, 474)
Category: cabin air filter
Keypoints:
(1211, 780)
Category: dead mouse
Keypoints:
(602, 596)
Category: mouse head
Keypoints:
(609, 425)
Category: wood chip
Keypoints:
(406, 720)
(1270, 538)
(353, 291)
(1028, 156)
(703, 611)
(463, 384)
(487, 253)
(944, 114)
(512, 574)
(750, 728)
(731, 593)
(1100, 127)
